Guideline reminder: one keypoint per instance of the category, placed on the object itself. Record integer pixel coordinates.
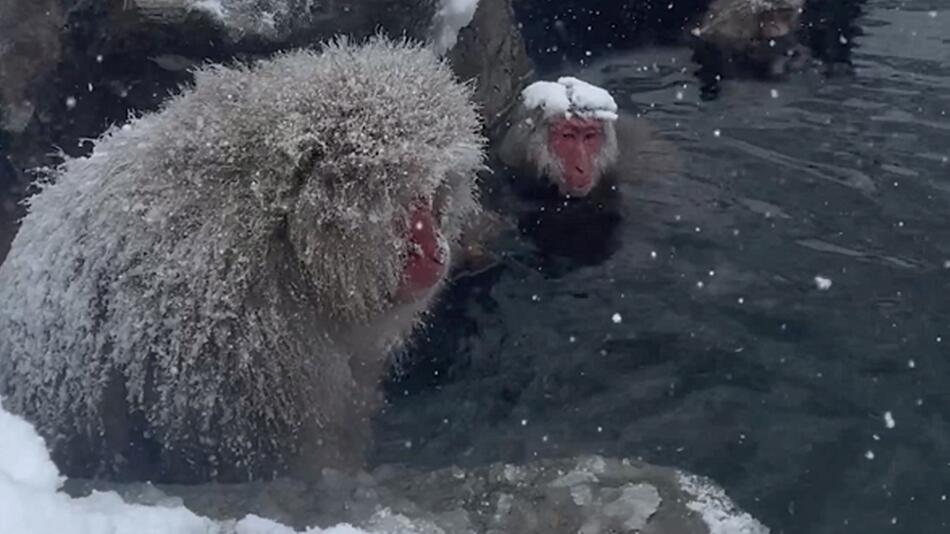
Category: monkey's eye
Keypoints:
(590, 136)
(568, 135)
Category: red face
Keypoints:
(424, 265)
(576, 142)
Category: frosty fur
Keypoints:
(205, 296)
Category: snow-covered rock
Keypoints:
(31, 501)
(452, 16)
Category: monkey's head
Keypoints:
(568, 134)
(385, 146)
(779, 23)
(752, 26)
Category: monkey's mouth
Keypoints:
(424, 265)
(577, 184)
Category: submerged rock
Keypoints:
(585, 495)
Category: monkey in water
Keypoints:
(569, 149)
(213, 292)
(757, 37)
(568, 137)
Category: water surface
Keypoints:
(821, 411)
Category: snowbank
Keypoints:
(601, 494)
(717, 510)
(31, 503)
(570, 96)
(451, 17)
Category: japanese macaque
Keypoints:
(570, 137)
(568, 149)
(213, 292)
(563, 133)
(756, 36)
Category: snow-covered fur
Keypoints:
(524, 147)
(207, 294)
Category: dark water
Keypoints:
(728, 360)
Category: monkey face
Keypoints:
(368, 247)
(425, 256)
(576, 144)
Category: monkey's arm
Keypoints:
(470, 256)
(512, 150)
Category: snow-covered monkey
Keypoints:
(570, 136)
(212, 293)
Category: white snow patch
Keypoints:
(570, 96)
(253, 524)
(549, 96)
(588, 98)
(31, 503)
(212, 7)
(717, 510)
(451, 17)
(23, 457)
(822, 283)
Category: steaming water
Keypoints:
(820, 409)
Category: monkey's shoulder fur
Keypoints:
(211, 283)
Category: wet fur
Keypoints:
(729, 40)
(206, 295)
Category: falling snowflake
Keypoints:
(889, 420)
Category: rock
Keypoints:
(491, 51)
(586, 495)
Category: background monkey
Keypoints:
(569, 149)
(759, 37)
(569, 136)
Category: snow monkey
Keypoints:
(212, 293)
(759, 36)
(568, 135)
(563, 132)
(572, 153)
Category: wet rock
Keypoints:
(586, 495)
(491, 51)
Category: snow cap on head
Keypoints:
(570, 96)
